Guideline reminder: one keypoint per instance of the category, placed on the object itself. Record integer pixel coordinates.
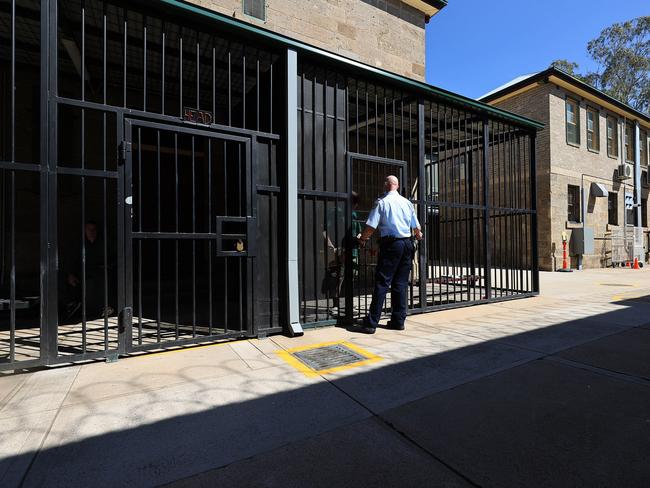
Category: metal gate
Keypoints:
(367, 175)
(190, 243)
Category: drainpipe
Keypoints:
(637, 172)
(291, 197)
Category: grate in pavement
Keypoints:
(615, 284)
(326, 357)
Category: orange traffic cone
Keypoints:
(636, 264)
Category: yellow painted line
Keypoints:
(287, 356)
(628, 296)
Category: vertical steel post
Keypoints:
(422, 262)
(533, 219)
(291, 196)
(487, 257)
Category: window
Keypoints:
(593, 130)
(630, 211)
(612, 137)
(255, 8)
(573, 203)
(612, 208)
(644, 212)
(572, 122)
(643, 144)
(629, 142)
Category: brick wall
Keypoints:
(561, 164)
(384, 33)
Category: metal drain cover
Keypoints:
(615, 284)
(327, 357)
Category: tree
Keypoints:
(622, 54)
(567, 66)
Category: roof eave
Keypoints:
(547, 74)
(427, 7)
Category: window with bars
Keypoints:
(255, 8)
(593, 130)
(612, 208)
(573, 203)
(572, 122)
(612, 137)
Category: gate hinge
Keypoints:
(125, 149)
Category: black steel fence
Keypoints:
(143, 169)
(469, 177)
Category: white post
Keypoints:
(291, 195)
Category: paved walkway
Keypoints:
(548, 391)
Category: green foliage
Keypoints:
(566, 66)
(622, 53)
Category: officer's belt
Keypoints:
(392, 239)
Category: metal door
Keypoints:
(366, 176)
(190, 235)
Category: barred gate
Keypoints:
(470, 177)
(143, 172)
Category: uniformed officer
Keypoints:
(395, 218)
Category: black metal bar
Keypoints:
(163, 58)
(139, 214)
(209, 142)
(144, 63)
(422, 254)
(176, 242)
(533, 203)
(486, 217)
(193, 241)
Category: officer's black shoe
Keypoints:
(394, 326)
(366, 329)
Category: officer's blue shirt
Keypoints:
(393, 216)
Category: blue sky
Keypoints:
(473, 46)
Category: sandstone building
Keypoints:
(388, 34)
(592, 168)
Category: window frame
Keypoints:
(614, 138)
(643, 147)
(629, 147)
(568, 101)
(611, 221)
(596, 131)
(250, 16)
(577, 204)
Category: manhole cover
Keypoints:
(328, 357)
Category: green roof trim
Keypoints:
(420, 86)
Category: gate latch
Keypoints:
(125, 149)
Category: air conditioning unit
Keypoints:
(624, 172)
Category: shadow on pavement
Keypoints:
(538, 408)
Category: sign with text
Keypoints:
(196, 116)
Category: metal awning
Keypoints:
(598, 190)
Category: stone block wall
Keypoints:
(387, 34)
(561, 164)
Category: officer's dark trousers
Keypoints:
(393, 269)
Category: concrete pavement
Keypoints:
(548, 391)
